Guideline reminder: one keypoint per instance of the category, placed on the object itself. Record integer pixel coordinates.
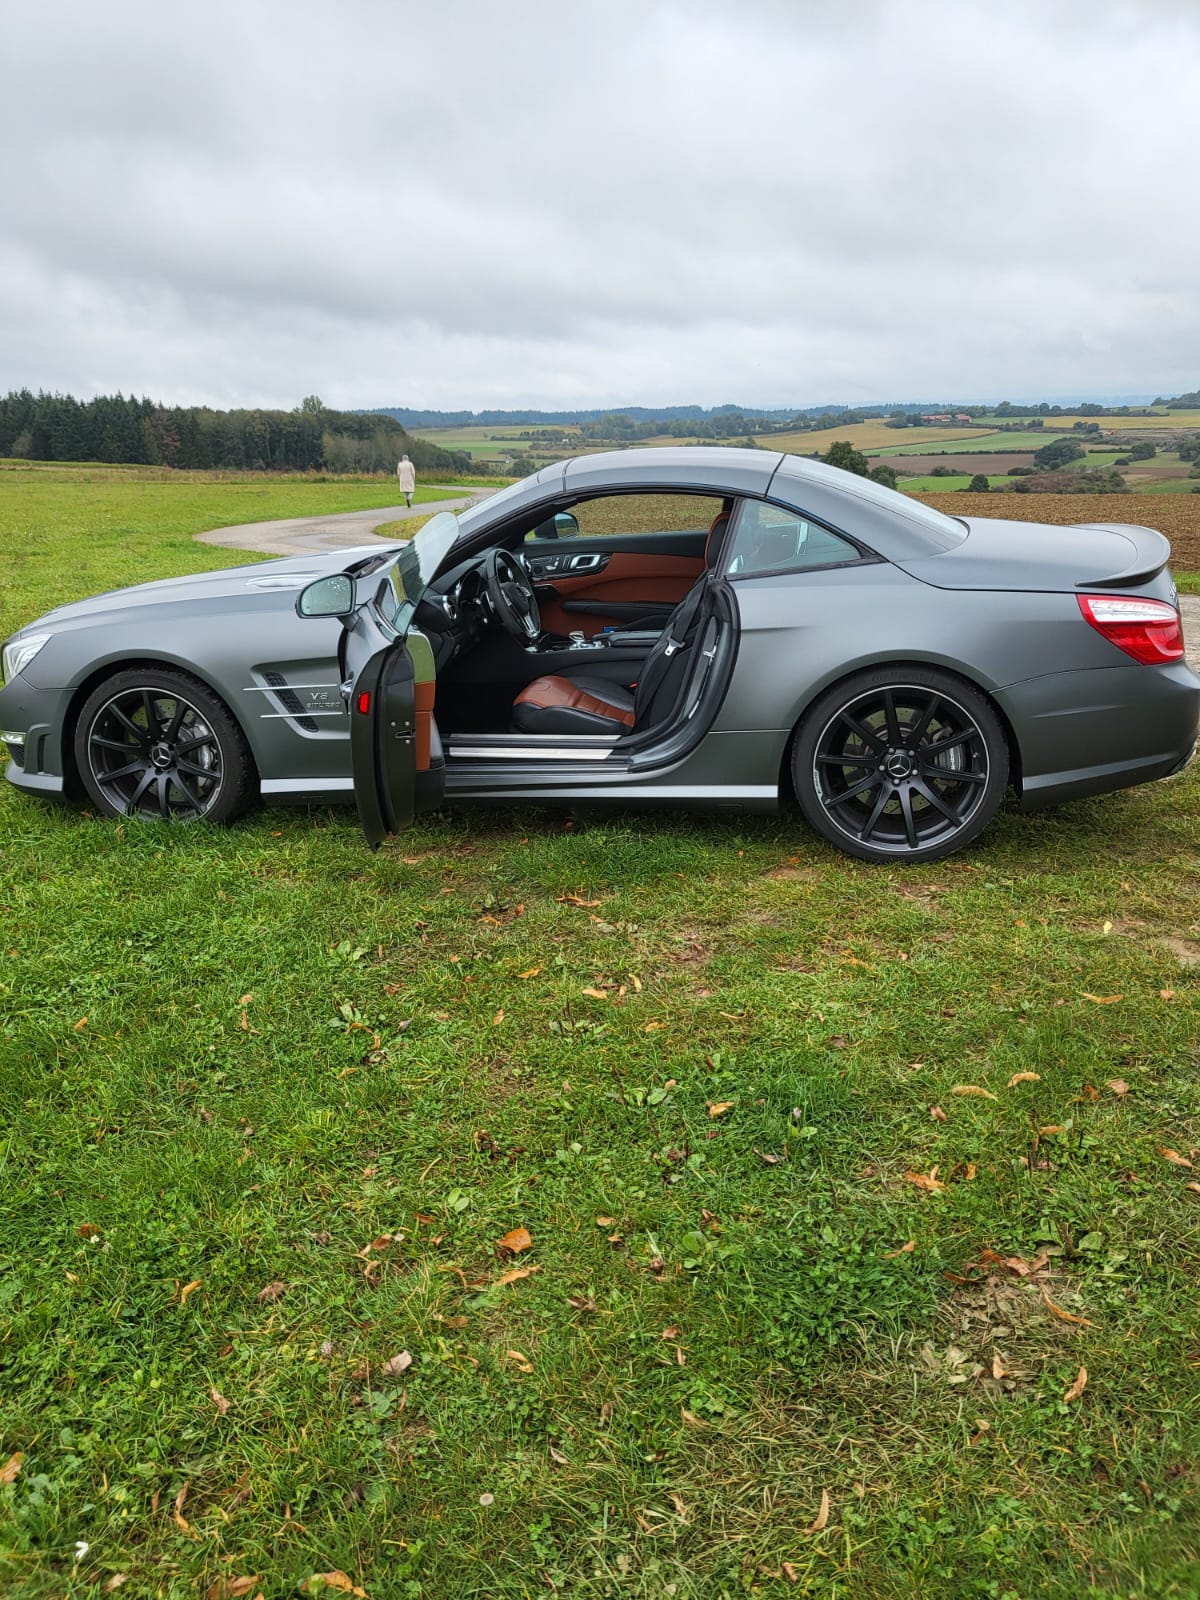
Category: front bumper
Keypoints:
(32, 721)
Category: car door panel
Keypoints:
(649, 573)
(395, 750)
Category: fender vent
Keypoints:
(290, 701)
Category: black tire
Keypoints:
(900, 764)
(156, 743)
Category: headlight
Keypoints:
(19, 652)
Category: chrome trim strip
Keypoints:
(307, 786)
(275, 688)
(294, 716)
(525, 753)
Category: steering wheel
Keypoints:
(510, 590)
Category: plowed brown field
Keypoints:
(1178, 516)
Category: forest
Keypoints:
(125, 430)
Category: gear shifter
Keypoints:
(578, 639)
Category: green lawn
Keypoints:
(803, 1309)
(932, 485)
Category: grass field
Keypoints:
(597, 1205)
(931, 485)
(70, 531)
(867, 436)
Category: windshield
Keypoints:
(403, 581)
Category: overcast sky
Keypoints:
(460, 204)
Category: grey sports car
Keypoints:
(690, 625)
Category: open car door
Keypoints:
(388, 679)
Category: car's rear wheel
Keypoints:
(153, 742)
(900, 764)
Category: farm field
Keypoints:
(1185, 420)
(1178, 518)
(999, 462)
(921, 484)
(486, 443)
(983, 443)
(871, 437)
(588, 1203)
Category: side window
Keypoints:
(770, 538)
(625, 514)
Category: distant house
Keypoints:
(939, 416)
(963, 416)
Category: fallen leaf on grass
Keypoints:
(789, 1571)
(498, 1019)
(219, 1400)
(766, 1156)
(928, 1181)
(177, 1515)
(653, 1027)
(116, 1581)
(229, 1588)
(1077, 1387)
(1118, 1086)
(333, 1580)
(187, 1289)
(982, 1426)
(1024, 1077)
(999, 1370)
(80, 1025)
(513, 1242)
(1051, 1127)
(822, 1516)
(10, 1469)
(523, 1362)
(973, 1091)
(1103, 999)
(904, 1250)
(531, 973)
(273, 1291)
(1173, 1156)
(513, 1274)
(1194, 1187)
(582, 1302)
(577, 900)
(596, 994)
(87, 1230)
(718, 1108)
(397, 1365)
(938, 1114)
(1063, 1316)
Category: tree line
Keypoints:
(124, 430)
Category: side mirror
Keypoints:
(561, 526)
(327, 597)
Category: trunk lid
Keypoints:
(1040, 556)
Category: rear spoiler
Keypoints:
(1151, 552)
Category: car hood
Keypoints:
(1045, 557)
(285, 577)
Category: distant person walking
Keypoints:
(407, 474)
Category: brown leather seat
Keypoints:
(573, 705)
(586, 704)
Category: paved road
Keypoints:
(300, 536)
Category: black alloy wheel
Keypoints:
(158, 744)
(901, 764)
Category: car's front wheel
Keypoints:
(900, 764)
(153, 742)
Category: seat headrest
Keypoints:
(716, 538)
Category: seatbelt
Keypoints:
(676, 640)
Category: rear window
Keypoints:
(947, 531)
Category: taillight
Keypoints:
(1147, 630)
(364, 703)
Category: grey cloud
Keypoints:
(605, 202)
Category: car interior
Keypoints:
(597, 625)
